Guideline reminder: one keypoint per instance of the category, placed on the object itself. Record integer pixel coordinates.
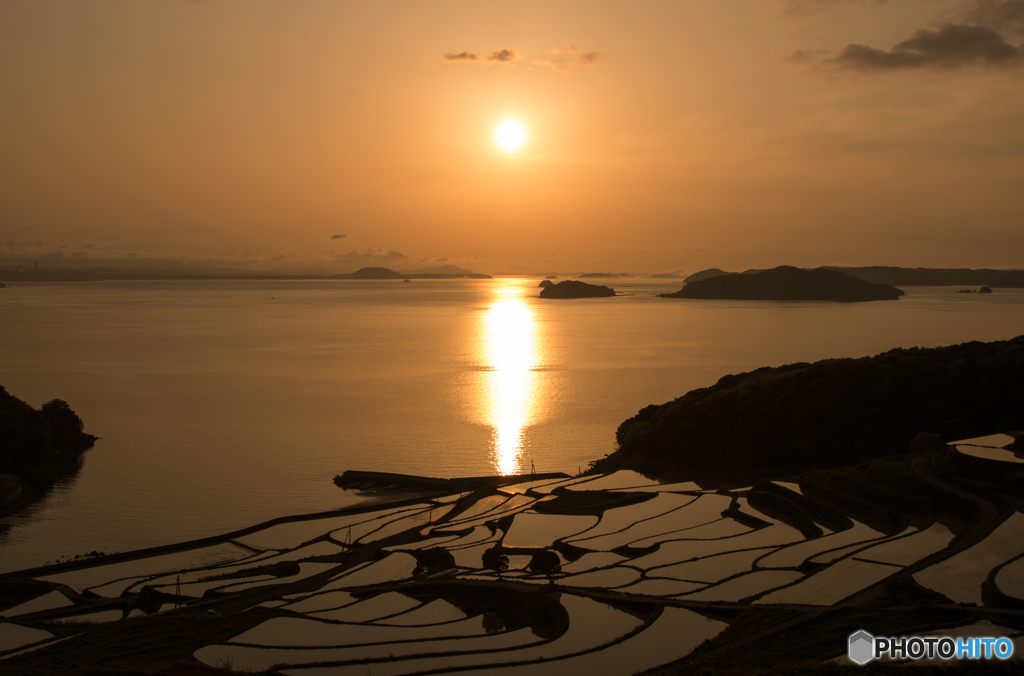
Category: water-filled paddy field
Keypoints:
(415, 587)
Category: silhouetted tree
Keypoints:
(546, 562)
(65, 425)
(24, 434)
(495, 560)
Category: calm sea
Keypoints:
(224, 404)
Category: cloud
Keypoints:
(338, 236)
(950, 46)
(503, 56)
(368, 257)
(461, 56)
(563, 59)
(1006, 16)
(499, 56)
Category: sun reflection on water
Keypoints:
(510, 353)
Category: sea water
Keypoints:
(222, 404)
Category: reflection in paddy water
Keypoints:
(509, 351)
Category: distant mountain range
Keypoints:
(429, 273)
(20, 273)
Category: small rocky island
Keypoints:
(787, 283)
(574, 289)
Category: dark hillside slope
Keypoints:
(776, 421)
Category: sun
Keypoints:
(510, 136)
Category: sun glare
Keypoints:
(510, 136)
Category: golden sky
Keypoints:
(660, 136)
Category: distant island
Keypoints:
(897, 276)
(600, 275)
(1013, 279)
(776, 421)
(36, 446)
(546, 283)
(574, 289)
(385, 273)
(787, 283)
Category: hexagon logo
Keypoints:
(862, 647)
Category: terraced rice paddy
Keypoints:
(831, 585)
(403, 590)
(746, 586)
(85, 578)
(13, 636)
(795, 555)
(1010, 579)
(991, 447)
(907, 550)
(960, 577)
(49, 601)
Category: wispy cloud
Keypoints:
(564, 59)
(460, 56)
(498, 57)
(503, 56)
(372, 257)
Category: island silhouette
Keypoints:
(574, 289)
(787, 283)
(385, 273)
(897, 276)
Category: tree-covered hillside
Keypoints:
(774, 421)
(29, 437)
